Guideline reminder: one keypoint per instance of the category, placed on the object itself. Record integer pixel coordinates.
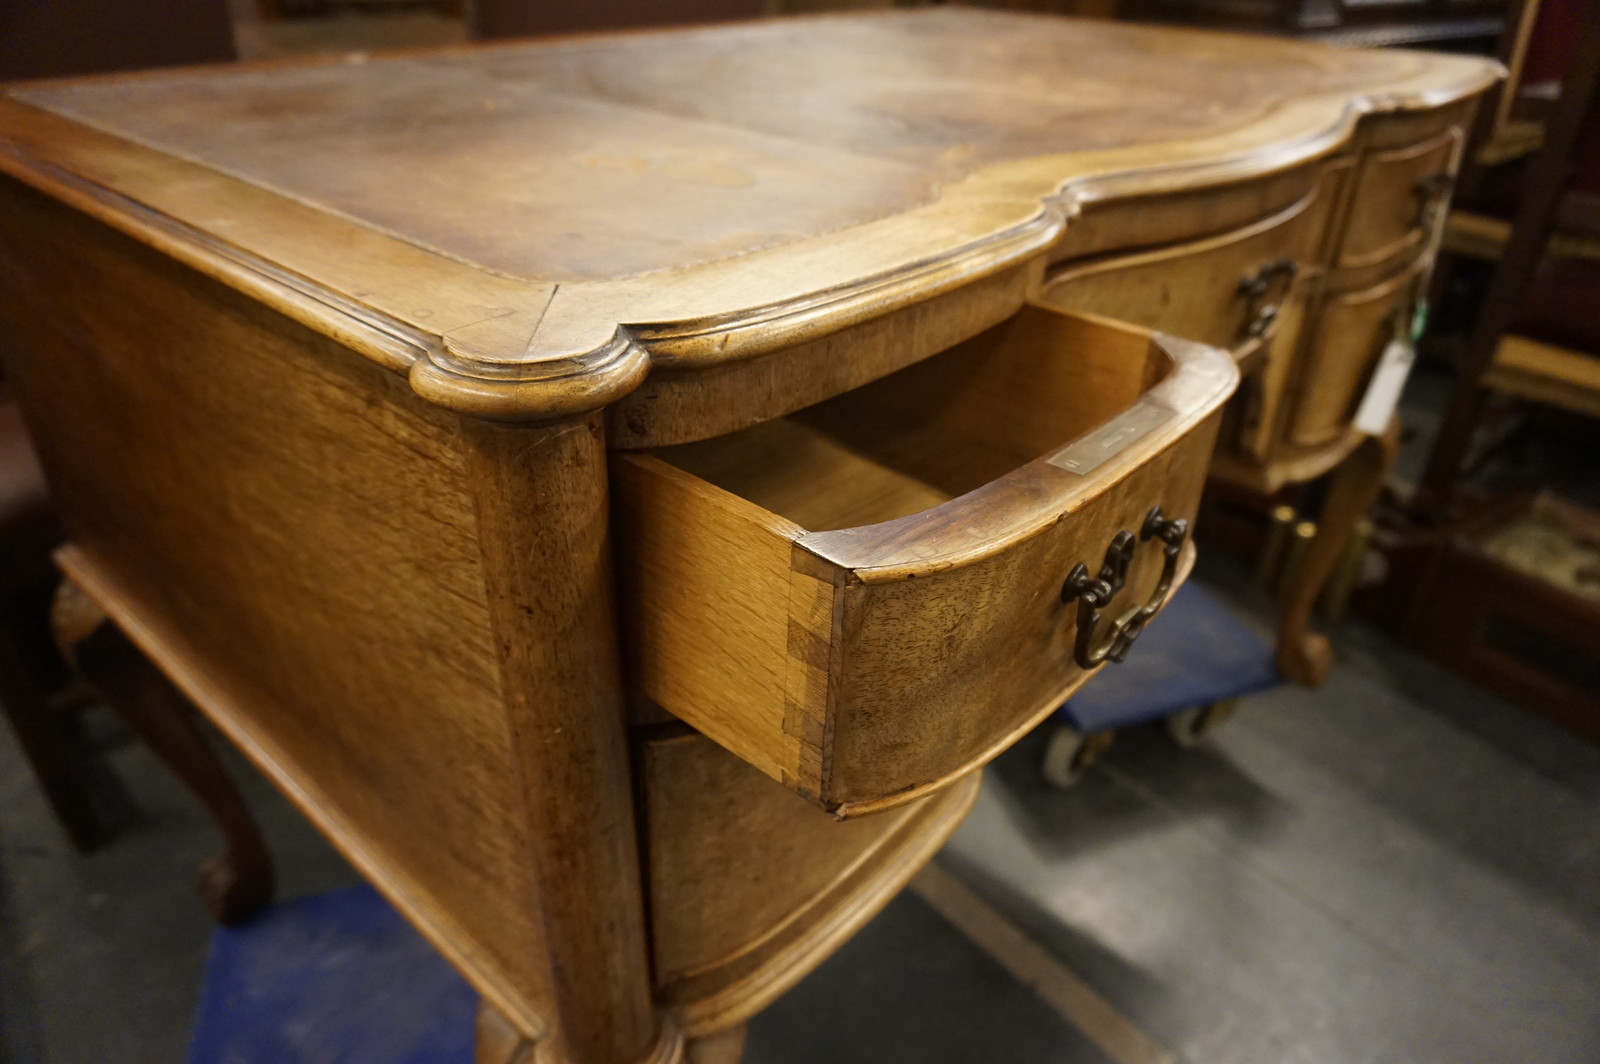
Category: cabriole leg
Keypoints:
(237, 883)
(1305, 656)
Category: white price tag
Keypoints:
(1388, 380)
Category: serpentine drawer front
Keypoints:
(874, 595)
(1400, 191)
(1227, 290)
(1351, 334)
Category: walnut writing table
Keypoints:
(574, 470)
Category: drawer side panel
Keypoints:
(705, 588)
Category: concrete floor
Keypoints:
(1397, 868)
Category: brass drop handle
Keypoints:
(1094, 593)
(1431, 192)
(1272, 280)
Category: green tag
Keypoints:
(1419, 320)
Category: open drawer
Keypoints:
(872, 596)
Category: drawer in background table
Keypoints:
(867, 598)
(1226, 290)
(1351, 333)
(1400, 192)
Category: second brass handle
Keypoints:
(1276, 277)
(1431, 192)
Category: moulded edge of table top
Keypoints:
(556, 350)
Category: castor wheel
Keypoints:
(1069, 754)
(1193, 725)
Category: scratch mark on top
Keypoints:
(527, 348)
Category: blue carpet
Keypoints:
(339, 978)
(1193, 652)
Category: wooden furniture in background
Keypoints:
(379, 397)
(1306, 276)
(52, 38)
(1509, 594)
(495, 19)
(1464, 25)
(1506, 590)
(1537, 52)
(1412, 175)
(1491, 356)
(277, 10)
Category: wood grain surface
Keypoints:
(527, 228)
(325, 359)
(347, 580)
(863, 599)
(731, 933)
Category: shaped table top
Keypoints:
(526, 226)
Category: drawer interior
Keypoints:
(937, 429)
(862, 599)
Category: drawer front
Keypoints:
(1252, 422)
(1352, 331)
(750, 886)
(868, 665)
(946, 668)
(1226, 291)
(1401, 195)
(1114, 226)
